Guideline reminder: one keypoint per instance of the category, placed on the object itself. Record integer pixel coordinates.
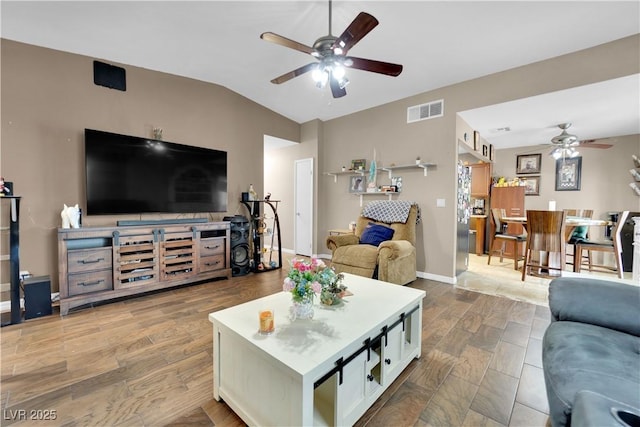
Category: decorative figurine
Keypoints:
(70, 216)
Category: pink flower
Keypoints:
(288, 285)
(316, 287)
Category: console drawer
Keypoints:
(84, 283)
(212, 263)
(211, 247)
(89, 260)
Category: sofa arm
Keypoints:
(613, 305)
(334, 242)
(394, 249)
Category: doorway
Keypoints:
(303, 210)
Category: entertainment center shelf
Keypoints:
(102, 263)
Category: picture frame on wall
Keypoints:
(476, 140)
(528, 163)
(568, 174)
(357, 184)
(531, 185)
(358, 164)
(491, 152)
(485, 150)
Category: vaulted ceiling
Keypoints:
(438, 43)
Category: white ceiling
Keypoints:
(439, 44)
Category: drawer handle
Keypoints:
(84, 261)
(212, 247)
(212, 263)
(97, 282)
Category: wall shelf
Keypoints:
(347, 172)
(423, 166)
(389, 194)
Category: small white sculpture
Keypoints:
(70, 216)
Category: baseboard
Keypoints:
(5, 306)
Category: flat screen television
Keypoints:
(132, 175)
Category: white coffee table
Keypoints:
(324, 371)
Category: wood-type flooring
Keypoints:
(147, 361)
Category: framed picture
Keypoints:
(491, 152)
(528, 163)
(357, 184)
(476, 140)
(485, 150)
(358, 164)
(568, 172)
(531, 185)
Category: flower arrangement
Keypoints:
(308, 278)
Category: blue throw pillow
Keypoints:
(374, 234)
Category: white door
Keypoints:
(303, 190)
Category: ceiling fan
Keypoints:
(331, 53)
(565, 139)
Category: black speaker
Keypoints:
(240, 255)
(37, 297)
(109, 76)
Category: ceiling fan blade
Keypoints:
(336, 90)
(374, 66)
(588, 144)
(359, 28)
(283, 41)
(295, 73)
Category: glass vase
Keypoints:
(302, 309)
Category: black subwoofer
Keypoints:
(37, 297)
(240, 256)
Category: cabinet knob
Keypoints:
(387, 361)
(370, 377)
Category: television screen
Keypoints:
(131, 175)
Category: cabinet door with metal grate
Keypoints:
(136, 260)
(177, 256)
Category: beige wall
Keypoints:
(49, 98)
(605, 177)
(435, 140)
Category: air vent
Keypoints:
(429, 110)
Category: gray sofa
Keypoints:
(591, 350)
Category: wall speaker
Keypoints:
(37, 297)
(240, 256)
(110, 76)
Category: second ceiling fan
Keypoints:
(331, 54)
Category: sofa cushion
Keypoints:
(374, 234)
(578, 356)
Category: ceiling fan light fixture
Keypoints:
(337, 71)
(320, 76)
(343, 82)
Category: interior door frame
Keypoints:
(303, 194)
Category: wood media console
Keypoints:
(102, 263)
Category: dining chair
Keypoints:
(500, 234)
(545, 249)
(580, 232)
(614, 246)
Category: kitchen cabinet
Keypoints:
(511, 199)
(480, 179)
